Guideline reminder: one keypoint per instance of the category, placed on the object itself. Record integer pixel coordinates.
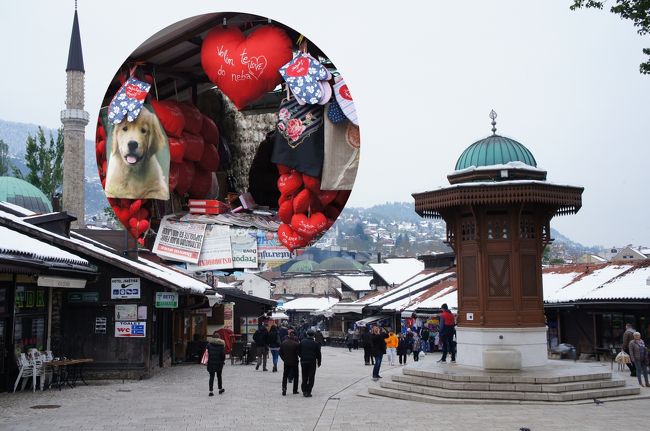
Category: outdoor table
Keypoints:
(68, 371)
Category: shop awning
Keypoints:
(371, 319)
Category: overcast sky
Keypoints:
(424, 76)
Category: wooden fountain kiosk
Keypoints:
(498, 209)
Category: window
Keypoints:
(499, 276)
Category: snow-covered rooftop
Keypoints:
(583, 282)
(510, 165)
(309, 304)
(397, 271)
(157, 271)
(448, 295)
(12, 242)
(358, 283)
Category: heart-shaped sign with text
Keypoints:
(245, 67)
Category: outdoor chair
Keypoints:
(26, 370)
(237, 351)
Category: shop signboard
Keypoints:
(216, 252)
(83, 297)
(270, 252)
(131, 329)
(126, 311)
(166, 300)
(244, 247)
(100, 325)
(181, 241)
(125, 288)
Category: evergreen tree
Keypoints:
(44, 160)
(4, 158)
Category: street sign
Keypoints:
(166, 300)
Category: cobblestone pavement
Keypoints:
(177, 399)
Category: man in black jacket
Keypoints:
(367, 347)
(378, 348)
(289, 355)
(310, 358)
(261, 338)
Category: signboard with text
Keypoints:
(177, 240)
(166, 300)
(131, 329)
(216, 252)
(125, 288)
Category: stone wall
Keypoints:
(317, 285)
(243, 131)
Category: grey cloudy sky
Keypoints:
(424, 76)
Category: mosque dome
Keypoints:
(340, 264)
(495, 150)
(22, 193)
(305, 265)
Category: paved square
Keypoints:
(177, 399)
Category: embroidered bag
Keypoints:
(299, 137)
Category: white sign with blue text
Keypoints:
(125, 288)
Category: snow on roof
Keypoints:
(577, 282)
(157, 271)
(13, 242)
(510, 165)
(502, 183)
(348, 307)
(309, 304)
(397, 271)
(418, 282)
(18, 208)
(630, 285)
(399, 303)
(448, 295)
(356, 282)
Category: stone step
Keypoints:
(517, 387)
(488, 395)
(510, 377)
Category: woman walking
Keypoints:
(416, 347)
(216, 358)
(274, 345)
(639, 356)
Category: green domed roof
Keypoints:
(494, 150)
(22, 193)
(304, 266)
(340, 264)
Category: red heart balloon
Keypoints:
(100, 150)
(142, 214)
(301, 201)
(201, 184)
(308, 227)
(289, 238)
(185, 177)
(122, 215)
(125, 203)
(282, 169)
(286, 211)
(141, 241)
(210, 158)
(210, 131)
(289, 183)
(101, 132)
(284, 198)
(312, 183)
(193, 117)
(245, 67)
(141, 227)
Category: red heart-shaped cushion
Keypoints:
(301, 201)
(308, 227)
(174, 169)
(122, 215)
(286, 211)
(193, 147)
(315, 204)
(141, 241)
(289, 183)
(170, 116)
(176, 149)
(312, 183)
(284, 198)
(289, 238)
(282, 169)
(135, 207)
(245, 67)
(142, 214)
(193, 117)
(326, 197)
(210, 131)
(102, 171)
(126, 203)
(342, 197)
(185, 177)
(100, 150)
(101, 132)
(200, 184)
(210, 158)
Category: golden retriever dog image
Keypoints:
(133, 171)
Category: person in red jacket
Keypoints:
(447, 333)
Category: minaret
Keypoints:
(74, 120)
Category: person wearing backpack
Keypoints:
(261, 345)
